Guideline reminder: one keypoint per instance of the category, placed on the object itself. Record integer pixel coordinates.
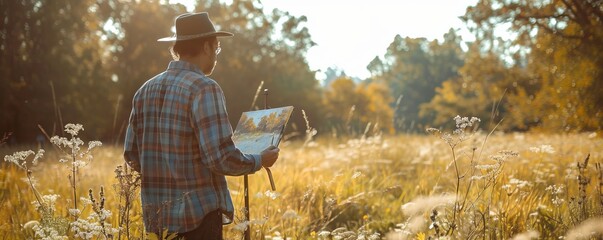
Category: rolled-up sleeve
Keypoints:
(214, 133)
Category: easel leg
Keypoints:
(246, 190)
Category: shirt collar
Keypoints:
(184, 65)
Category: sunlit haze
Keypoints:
(349, 34)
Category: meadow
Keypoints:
(458, 184)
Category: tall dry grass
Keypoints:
(368, 187)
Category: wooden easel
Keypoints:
(246, 184)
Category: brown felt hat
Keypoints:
(194, 25)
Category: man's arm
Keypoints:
(131, 154)
(214, 133)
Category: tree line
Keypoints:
(65, 61)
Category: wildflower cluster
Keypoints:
(19, 159)
(543, 149)
(459, 134)
(95, 224)
(54, 226)
(127, 186)
(74, 145)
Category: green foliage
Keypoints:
(61, 58)
(268, 47)
(135, 55)
(413, 68)
(559, 44)
(479, 90)
(50, 65)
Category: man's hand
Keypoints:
(269, 156)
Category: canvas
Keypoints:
(257, 130)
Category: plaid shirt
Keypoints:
(179, 140)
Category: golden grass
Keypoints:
(358, 186)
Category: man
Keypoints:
(179, 139)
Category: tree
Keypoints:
(340, 100)
(378, 110)
(135, 54)
(256, 54)
(561, 44)
(567, 79)
(479, 89)
(51, 67)
(413, 68)
(350, 107)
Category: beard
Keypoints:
(209, 69)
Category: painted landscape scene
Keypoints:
(259, 129)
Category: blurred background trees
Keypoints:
(81, 61)
(558, 44)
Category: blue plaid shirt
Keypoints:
(180, 140)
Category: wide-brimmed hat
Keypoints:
(194, 25)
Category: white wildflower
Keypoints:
(271, 194)
(447, 137)
(374, 236)
(19, 158)
(37, 157)
(432, 130)
(75, 212)
(73, 129)
(48, 200)
(519, 183)
(241, 227)
(105, 214)
(76, 143)
(51, 198)
(60, 141)
(93, 144)
(465, 122)
(45, 232)
(554, 189)
(79, 163)
(543, 149)
(86, 201)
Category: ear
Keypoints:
(207, 47)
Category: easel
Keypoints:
(246, 183)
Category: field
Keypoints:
(504, 186)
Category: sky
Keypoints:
(349, 34)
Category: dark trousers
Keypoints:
(210, 228)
